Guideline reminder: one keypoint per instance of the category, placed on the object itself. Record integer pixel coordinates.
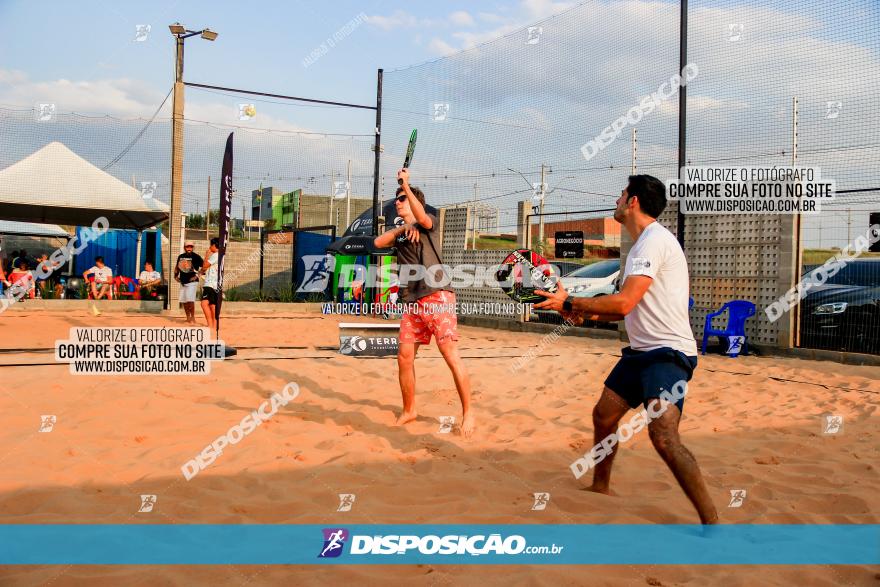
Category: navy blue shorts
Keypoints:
(642, 375)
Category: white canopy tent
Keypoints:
(55, 185)
(13, 228)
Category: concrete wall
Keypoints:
(242, 266)
(743, 256)
(748, 257)
(454, 223)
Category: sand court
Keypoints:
(754, 424)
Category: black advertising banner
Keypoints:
(569, 244)
(225, 214)
(874, 218)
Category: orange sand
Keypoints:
(117, 437)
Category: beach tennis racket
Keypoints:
(410, 149)
(522, 272)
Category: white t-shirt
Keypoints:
(102, 274)
(660, 319)
(148, 276)
(211, 273)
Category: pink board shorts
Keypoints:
(431, 315)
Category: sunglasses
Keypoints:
(401, 198)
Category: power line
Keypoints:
(138, 136)
(252, 93)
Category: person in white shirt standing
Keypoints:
(101, 286)
(653, 302)
(209, 288)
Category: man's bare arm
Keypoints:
(604, 308)
(417, 209)
(387, 238)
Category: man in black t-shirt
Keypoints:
(429, 302)
(186, 271)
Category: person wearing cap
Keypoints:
(186, 271)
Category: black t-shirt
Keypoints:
(424, 254)
(188, 265)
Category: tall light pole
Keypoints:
(180, 33)
(543, 192)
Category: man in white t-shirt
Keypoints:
(148, 280)
(101, 286)
(209, 288)
(661, 358)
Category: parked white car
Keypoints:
(596, 279)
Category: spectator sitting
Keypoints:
(22, 256)
(148, 280)
(10, 261)
(22, 280)
(102, 286)
(45, 283)
(4, 283)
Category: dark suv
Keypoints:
(844, 312)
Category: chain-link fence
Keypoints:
(559, 113)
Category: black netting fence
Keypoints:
(557, 113)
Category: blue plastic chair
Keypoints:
(690, 303)
(738, 312)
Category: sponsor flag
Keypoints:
(225, 213)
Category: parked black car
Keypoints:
(844, 312)
(565, 267)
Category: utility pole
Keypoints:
(541, 210)
(348, 198)
(180, 33)
(208, 217)
(795, 315)
(260, 215)
(475, 217)
(244, 221)
(682, 111)
(176, 162)
(848, 224)
(330, 201)
(635, 151)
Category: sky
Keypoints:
(512, 104)
(86, 59)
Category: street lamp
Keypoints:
(180, 33)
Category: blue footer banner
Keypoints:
(521, 544)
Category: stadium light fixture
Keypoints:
(177, 28)
(209, 35)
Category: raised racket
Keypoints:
(410, 149)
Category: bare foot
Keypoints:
(406, 418)
(467, 425)
(605, 490)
